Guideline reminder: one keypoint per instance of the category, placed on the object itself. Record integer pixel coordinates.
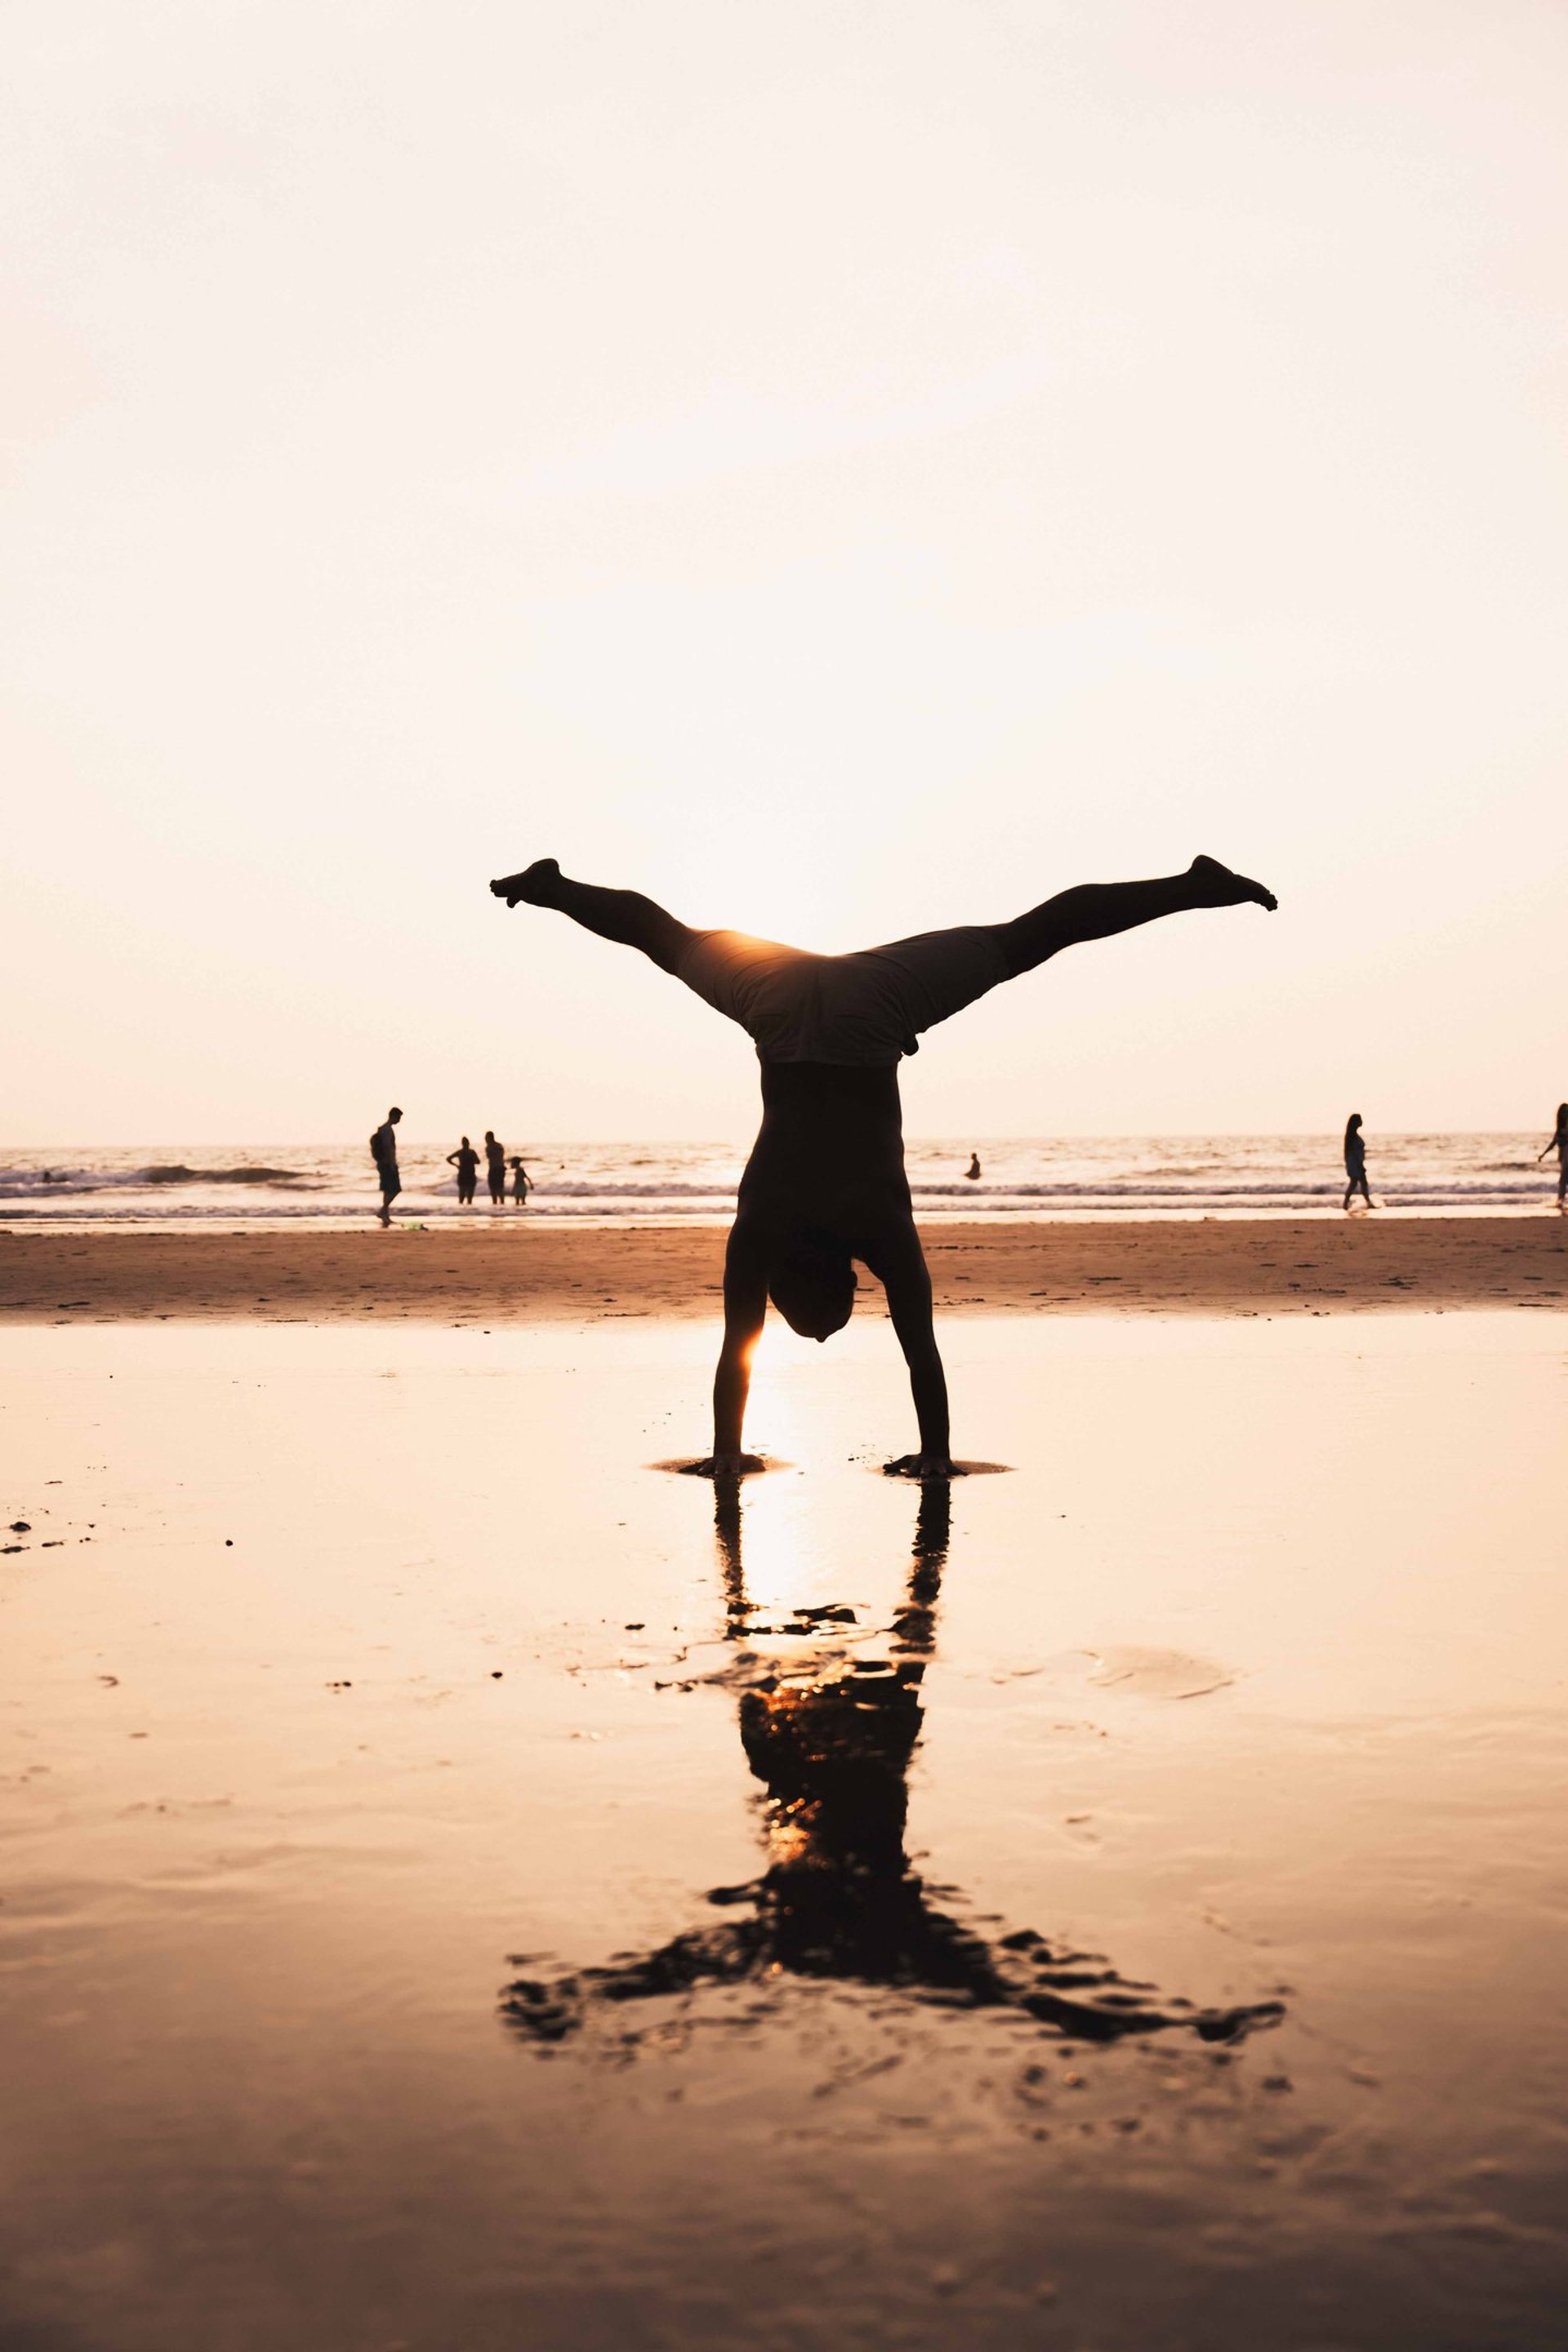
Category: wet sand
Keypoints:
(464, 1887)
(514, 1271)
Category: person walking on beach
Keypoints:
(383, 1151)
(522, 1182)
(466, 1161)
(825, 1183)
(1355, 1162)
(1558, 1142)
(495, 1169)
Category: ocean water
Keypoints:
(1022, 1176)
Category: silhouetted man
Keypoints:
(825, 1183)
(495, 1169)
(383, 1151)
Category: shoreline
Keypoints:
(539, 1273)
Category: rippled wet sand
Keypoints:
(463, 1887)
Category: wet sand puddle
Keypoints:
(459, 1888)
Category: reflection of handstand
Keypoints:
(825, 1183)
(831, 1740)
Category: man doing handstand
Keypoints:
(825, 1183)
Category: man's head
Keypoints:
(393, 1116)
(812, 1284)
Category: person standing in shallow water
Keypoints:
(383, 1151)
(1558, 1142)
(522, 1182)
(466, 1161)
(1355, 1163)
(825, 1183)
(495, 1169)
(973, 1171)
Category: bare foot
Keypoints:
(1215, 885)
(723, 1466)
(536, 884)
(921, 1466)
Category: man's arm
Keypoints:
(901, 1268)
(745, 1311)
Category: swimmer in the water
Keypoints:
(466, 1161)
(1355, 1162)
(1558, 1142)
(825, 1183)
(973, 1171)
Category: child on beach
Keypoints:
(521, 1183)
(825, 1183)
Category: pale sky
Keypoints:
(843, 466)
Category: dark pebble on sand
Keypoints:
(21, 1526)
(495, 1674)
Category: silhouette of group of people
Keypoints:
(465, 1160)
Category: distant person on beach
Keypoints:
(1355, 1162)
(1558, 1142)
(973, 1171)
(495, 1169)
(826, 1182)
(466, 1161)
(383, 1151)
(522, 1182)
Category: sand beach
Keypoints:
(539, 1271)
(463, 1885)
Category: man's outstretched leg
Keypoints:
(1097, 910)
(624, 916)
